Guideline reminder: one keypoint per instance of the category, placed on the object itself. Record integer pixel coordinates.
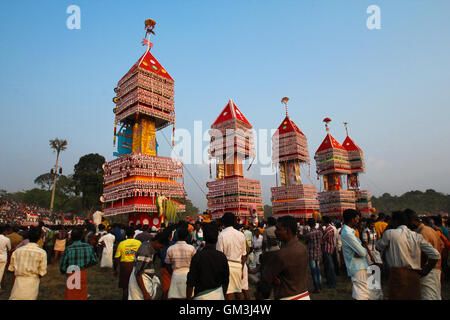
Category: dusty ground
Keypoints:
(103, 286)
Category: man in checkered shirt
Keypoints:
(314, 241)
(328, 246)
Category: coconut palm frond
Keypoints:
(58, 145)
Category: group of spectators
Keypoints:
(13, 212)
(219, 260)
(22, 214)
(404, 248)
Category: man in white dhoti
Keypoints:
(29, 264)
(178, 258)
(232, 243)
(97, 218)
(107, 242)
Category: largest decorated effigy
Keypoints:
(139, 183)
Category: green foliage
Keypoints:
(58, 145)
(45, 181)
(37, 197)
(66, 199)
(191, 210)
(428, 202)
(88, 179)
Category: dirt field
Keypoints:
(103, 286)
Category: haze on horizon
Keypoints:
(391, 85)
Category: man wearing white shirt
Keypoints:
(404, 249)
(257, 244)
(97, 218)
(107, 241)
(5, 248)
(233, 244)
(248, 237)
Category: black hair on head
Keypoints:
(228, 219)
(271, 221)
(129, 232)
(182, 234)
(399, 217)
(77, 233)
(311, 222)
(288, 223)
(349, 214)
(34, 234)
(210, 232)
(163, 237)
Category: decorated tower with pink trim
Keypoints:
(289, 153)
(335, 163)
(231, 143)
(357, 166)
(139, 183)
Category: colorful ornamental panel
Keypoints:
(140, 182)
(238, 195)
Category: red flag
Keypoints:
(145, 42)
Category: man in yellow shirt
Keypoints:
(380, 225)
(125, 257)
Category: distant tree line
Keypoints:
(429, 202)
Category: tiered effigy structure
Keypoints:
(357, 166)
(290, 151)
(231, 143)
(140, 183)
(333, 163)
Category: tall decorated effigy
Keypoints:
(140, 184)
(332, 164)
(231, 143)
(289, 152)
(357, 166)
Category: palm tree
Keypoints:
(57, 145)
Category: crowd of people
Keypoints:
(22, 214)
(13, 212)
(222, 259)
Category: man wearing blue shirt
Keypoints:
(355, 256)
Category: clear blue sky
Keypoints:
(392, 85)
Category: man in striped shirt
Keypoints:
(178, 259)
(29, 264)
(328, 246)
(76, 259)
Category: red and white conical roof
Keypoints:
(329, 143)
(149, 63)
(288, 126)
(230, 112)
(350, 145)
